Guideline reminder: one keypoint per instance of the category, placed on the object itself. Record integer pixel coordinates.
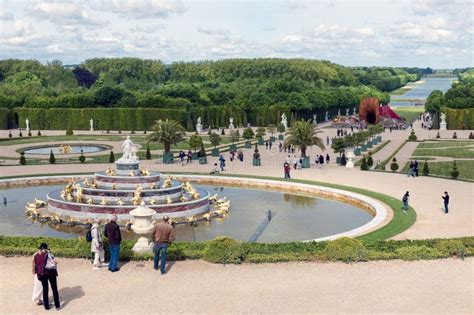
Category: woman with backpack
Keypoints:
(97, 246)
(45, 268)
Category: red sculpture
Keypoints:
(369, 110)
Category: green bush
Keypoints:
(417, 253)
(69, 131)
(370, 160)
(148, 153)
(112, 157)
(412, 136)
(454, 172)
(22, 158)
(450, 247)
(39, 133)
(52, 159)
(426, 169)
(346, 249)
(394, 165)
(363, 165)
(82, 158)
(223, 250)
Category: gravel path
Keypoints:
(431, 287)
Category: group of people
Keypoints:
(45, 264)
(406, 198)
(413, 169)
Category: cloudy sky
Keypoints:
(419, 33)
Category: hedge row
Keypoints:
(226, 250)
(143, 118)
(459, 118)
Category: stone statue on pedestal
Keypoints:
(347, 111)
(92, 124)
(27, 122)
(129, 152)
(315, 122)
(442, 124)
(339, 112)
(199, 125)
(284, 120)
(231, 123)
(354, 111)
(326, 117)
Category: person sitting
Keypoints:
(215, 169)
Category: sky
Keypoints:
(436, 34)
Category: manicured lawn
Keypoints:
(401, 91)
(443, 144)
(465, 168)
(410, 113)
(454, 152)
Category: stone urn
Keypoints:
(142, 226)
(350, 157)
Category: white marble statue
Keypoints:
(129, 150)
(284, 120)
(347, 111)
(231, 123)
(27, 122)
(199, 125)
(442, 124)
(92, 124)
(339, 112)
(326, 117)
(354, 111)
(315, 121)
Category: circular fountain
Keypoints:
(120, 190)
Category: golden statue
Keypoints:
(110, 172)
(168, 200)
(78, 193)
(69, 197)
(144, 172)
(90, 201)
(131, 173)
(63, 195)
(153, 201)
(154, 186)
(195, 195)
(86, 183)
(137, 199)
(168, 182)
(69, 187)
(103, 201)
(114, 186)
(183, 198)
(120, 202)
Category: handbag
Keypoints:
(50, 262)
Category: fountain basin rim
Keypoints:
(380, 219)
(53, 145)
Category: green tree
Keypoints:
(22, 158)
(215, 139)
(195, 141)
(82, 158)
(148, 153)
(248, 133)
(166, 132)
(281, 128)
(364, 166)
(454, 172)
(370, 160)
(234, 135)
(426, 170)
(52, 159)
(111, 157)
(271, 129)
(339, 145)
(303, 135)
(261, 131)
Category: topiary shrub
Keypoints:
(363, 165)
(370, 160)
(148, 153)
(394, 165)
(20, 134)
(82, 158)
(120, 131)
(438, 135)
(412, 136)
(222, 132)
(111, 157)
(52, 159)
(455, 136)
(132, 132)
(108, 131)
(144, 132)
(471, 136)
(417, 252)
(450, 247)
(10, 134)
(29, 133)
(454, 172)
(39, 133)
(22, 158)
(426, 170)
(346, 249)
(223, 250)
(69, 131)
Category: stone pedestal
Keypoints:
(350, 157)
(199, 128)
(442, 126)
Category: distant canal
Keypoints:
(421, 90)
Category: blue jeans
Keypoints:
(114, 255)
(405, 205)
(160, 248)
(445, 208)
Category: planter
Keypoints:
(369, 144)
(338, 160)
(203, 160)
(260, 141)
(350, 152)
(168, 158)
(195, 156)
(281, 137)
(233, 147)
(363, 148)
(248, 145)
(215, 152)
(379, 138)
(257, 162)
(305, 162)
(357, 152)
(375, 141)
(272, 139)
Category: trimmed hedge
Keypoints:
(226, 250)
(459, 118)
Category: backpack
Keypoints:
(89, 235)
(50, 262)
(405, 198)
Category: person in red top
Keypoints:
(46, 271)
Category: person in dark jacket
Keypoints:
(446, 201)
(163, 236)
(112, 232)
(46, 271)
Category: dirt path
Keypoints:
(432, 287)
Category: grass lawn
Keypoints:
(454, 152)
(410, 113)
(443, 144)
(402, 90)
(465, 168)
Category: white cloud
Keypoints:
(144, 8)
(63, 13)
(147, 28)
(6, 16)
(213, 31)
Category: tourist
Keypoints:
(405, 202)
(415, 168)
(295, 162)
(112, 232)
(280, 147)
(317, 159)
(215, 169)
(232, 155)
(45, 269)
(352, 128)
(292, 149)
(445, 201)
(181, 156)
(321, 159)
(240, 155)
(97, 247)
(37, 296)
(270, 145)
(411, 172)
(266, 144)
(286, 169)
(190, 157)
(299, 166)
(222, 162)
(327, 140)
(327, 158)
(163, 236)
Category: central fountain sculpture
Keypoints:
(120, 190)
